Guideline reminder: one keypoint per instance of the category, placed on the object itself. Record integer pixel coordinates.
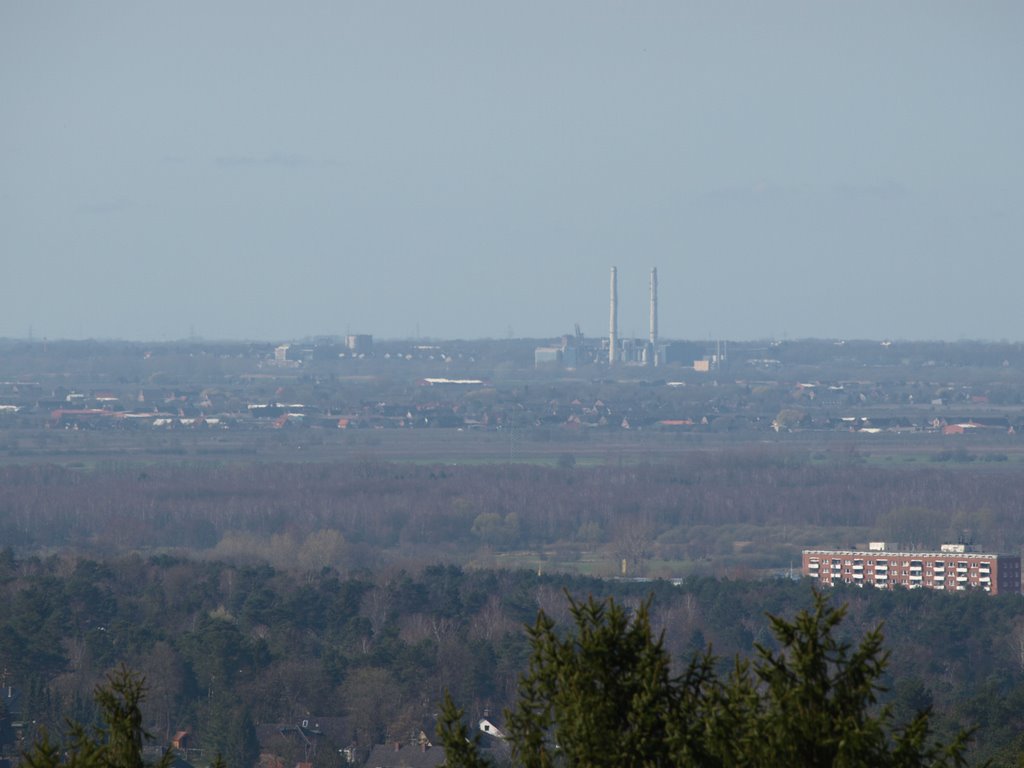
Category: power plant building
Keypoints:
(547, 356)
(613, 320)
(633, 350)
(614, 349)
(954, 568)
(652, 348)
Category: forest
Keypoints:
(745, 512)
(240, 656)
(307, 612)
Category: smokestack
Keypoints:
(613, 320)
(654, 315)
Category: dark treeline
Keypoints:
(229, 651)
(707, 512)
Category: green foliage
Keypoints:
(605, 695)
(612, 677)
(491, 528)
(215, 640)
(817, 700)
(234, 738)
(117, 743)
(460, 749)
(7, 735)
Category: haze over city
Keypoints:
(240, 170)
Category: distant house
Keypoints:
(675, 423)
(306, 739)
(488, 726)
(497, 748)
(419, 754)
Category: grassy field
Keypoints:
(540, 446)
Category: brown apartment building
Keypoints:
(954, 568)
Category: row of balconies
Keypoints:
(938, 581)
(881, 580)
(916, 578)
(984, 570)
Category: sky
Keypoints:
(274, 171)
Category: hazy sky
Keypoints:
(471, 169)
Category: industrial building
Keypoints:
(635, 351)
(613, 349)
(954, 568)
(359, 343)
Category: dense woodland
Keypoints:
(351, 595)
(736, 513)
(231, 653)
(811, 701)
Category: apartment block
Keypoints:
(954, 568)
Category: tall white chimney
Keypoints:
(654, 316)
(613, 320)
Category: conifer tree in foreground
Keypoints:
(117, 743)
(604, 695)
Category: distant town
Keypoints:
(559, 387)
